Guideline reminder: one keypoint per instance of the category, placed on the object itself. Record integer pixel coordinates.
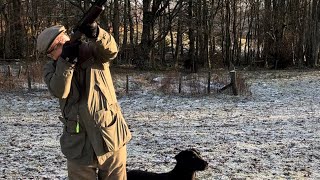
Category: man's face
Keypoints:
(55, 50)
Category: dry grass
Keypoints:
(169, 83)
(243, 87)
(20, 77)
(8, 83)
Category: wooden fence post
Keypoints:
(209, 81)
(127, 84)
(29, 79)
(234, 82)
(9, 71)
(20, 72)
(180, 83)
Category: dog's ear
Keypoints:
(187, 153)
(195, 151)
(180, 157)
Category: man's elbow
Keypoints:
(61, 93)
(113, 55)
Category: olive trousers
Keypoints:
(111, 166)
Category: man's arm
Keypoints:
(58, 77)
(105, 47)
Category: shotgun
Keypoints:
(89, 17)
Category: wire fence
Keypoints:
(21, 77)
(29, 77)
(184, 84)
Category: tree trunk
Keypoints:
(313, 35)
(162, 44)
(15, 32)
(137, 23)
(146, 44)
(2, 31)
(205, 34)
(234, 51)
(191, 62)
(301, 33)
(125, 26)
(131, 26)
(267, 32)
(227, 35)
(178, 43)
(150, 14)
(116, 21)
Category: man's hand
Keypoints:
(90, 30)
(70, 51)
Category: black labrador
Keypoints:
(188, 162)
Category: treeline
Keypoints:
(193, 33)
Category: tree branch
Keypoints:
(172, 15)
(77, 5)
(159, 11)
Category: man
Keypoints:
(95, 133)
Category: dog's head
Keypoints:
(190, 159)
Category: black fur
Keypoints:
(188, 162)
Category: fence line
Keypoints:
(20, 77)
(197, 84)
(177, 83)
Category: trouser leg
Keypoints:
(81, 172)
(114, 166)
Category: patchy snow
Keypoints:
(272, 134)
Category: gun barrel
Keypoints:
(91, 15)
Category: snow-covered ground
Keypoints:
(272, 134)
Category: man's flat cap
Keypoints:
(47, 36)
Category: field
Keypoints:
(273, 133)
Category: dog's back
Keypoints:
(144, 175)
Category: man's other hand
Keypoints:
(90, 30)
(70, 51)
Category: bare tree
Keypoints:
(280, 33)
(191, 61)
(313, 44)
(152, 10)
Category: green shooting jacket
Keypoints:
(93, 122)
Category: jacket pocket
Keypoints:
(114, 131)
(104, 118)
(72, 144)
